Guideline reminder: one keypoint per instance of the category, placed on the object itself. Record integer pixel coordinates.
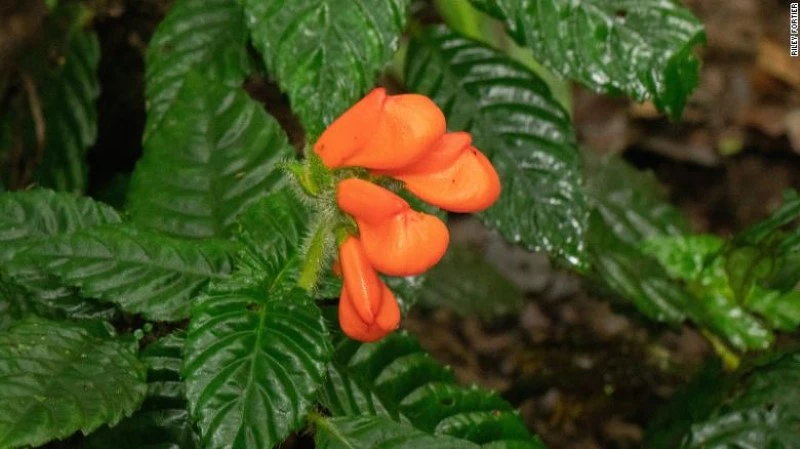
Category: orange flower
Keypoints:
(454, 176)
(368, 310)
(397, 240)
(382, 132)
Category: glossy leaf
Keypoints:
(68, 96)
(257, 345)
(141, 271)
(325, 54)
(696, 260)
(207, 36)
(215, 156)
(753, 408)
(397, 379)
(36, 216)
(58, 378)
(372, 432)
(162, 422)
(643, 49)
(466, 283)
(516, 121)
(628, 207)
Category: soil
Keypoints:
(584, 375)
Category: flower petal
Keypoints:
(367, 201)
(346, 135)
(406, 244)
(353, 326)
(360, 280)
(382, 132)
(469, 184)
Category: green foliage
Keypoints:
(163, 419)
(257, 345)
(141, 271)
(37, 217)
(397, 379)
(368, 432)
(755, 407)
(643, 49)
(206, 36)
(628, 207)
(465, 282)
(325, 54)
(68, 97)
(515, 120)
(217, 156)
(58, 378)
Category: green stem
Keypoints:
(729, 358)
(314, 255)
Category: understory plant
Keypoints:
(238, 288)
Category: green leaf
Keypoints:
(371, 432)
(628, 207)
(516, 121)
(215, 156)
(68, 104)
(58, 378)
(397, 379)
(641, 48)
(255, 360)
(37, 215)
(208, 36)
(257, 346)
(162, 422)
(325, 54)
(697, 260)
(755, 407)
(34, 217)
(141, 271)
(466, 283)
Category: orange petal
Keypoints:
(388, 318)
(406, 244)
(440, 155)
(346, 135)
(367, 201)
(353, 326)
(360, 280)
(382, 132)
(469, 184)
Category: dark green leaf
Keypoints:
(215, 155)
(641, 48)
(465, 282)
(255, 359)
(162, 422)
(257, 346)
(628, 207)
(208, 36)
(756, 407)
(515, 120)
(374, 432)
(141, 271)
(58, 378)
(32, 216)
(70, 117)
(325, 54)
(397, 379)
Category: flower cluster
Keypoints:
(402, 137)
